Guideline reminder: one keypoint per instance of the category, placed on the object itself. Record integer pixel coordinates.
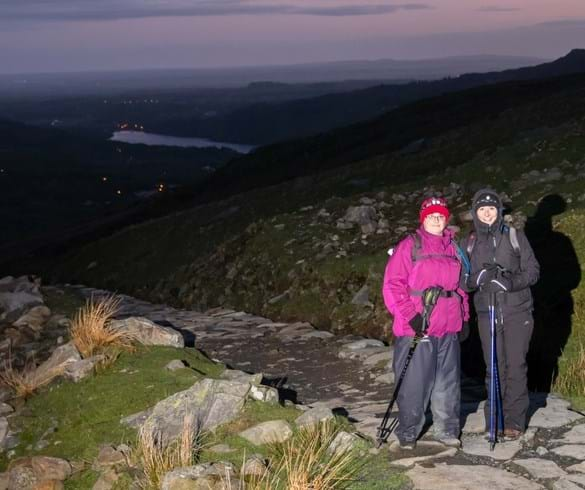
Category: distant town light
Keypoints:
(104, 179)
(119, 192)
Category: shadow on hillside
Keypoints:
(560, 273)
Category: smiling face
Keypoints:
(487, 214)
(435, 223)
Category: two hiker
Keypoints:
(500, 262)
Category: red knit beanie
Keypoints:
(433, 205)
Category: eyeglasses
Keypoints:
(435, 217)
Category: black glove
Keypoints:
(485, 275)
(498, 284)
(464, 333)
(417, 324)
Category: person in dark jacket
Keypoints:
(502, 262)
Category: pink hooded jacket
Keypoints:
(437, 265)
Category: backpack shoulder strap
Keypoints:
(416, 247)
(471, 238)
(462, 257)
(513, 234)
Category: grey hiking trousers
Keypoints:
(433, 375)
(512, 341)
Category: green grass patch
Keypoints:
(571, 378)
(378, 474)
(87, 414)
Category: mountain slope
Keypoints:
(268, 123)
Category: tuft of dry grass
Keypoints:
(28, 380)
(91, 331)
(158, 456)
(305, 462)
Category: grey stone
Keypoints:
(110, 456)
(22, 477)
(444, 476)
(555, 412)
(541, 468)
(268, 432)
(364, 343)
(265, 394)
(576, 451)
(175, 365)
(541, 451)
(362, 297)
(186, 478)
(61, 357)
(385, 356)
(76, 371)
(386, 378)
(136, 420)
(147, 332)
(253, 466)
(34, 318)
(480, 446)
(242, 377)
(564, 484)
(474, 421)
(47, 468)
(361, 215)
(318, 334)
(343, 442)
(360, 354)
(432, 450)
(575, 435)
(577, 468)
(314, 416)
(210, 402)
(15, 303)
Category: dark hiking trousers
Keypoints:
(512, 342)
(433, 375)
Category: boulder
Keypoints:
(61, 357)
(211, 402)
(343, 442)
(175, 365)
(314, 416)
(47, 468)
(241, 376)
(34, 318)
(110, 456)
(541, 468)
(22, 477)
(15, 303)
(265, 394)
(147, 332)
(361, 215)
(268, 432)
(362, 297)
(78, 370)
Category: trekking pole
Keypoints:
(430, 297)
(384, 431)
(496, 412)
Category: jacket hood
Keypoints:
(487, 197)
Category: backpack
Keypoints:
(511, 233)
(416, 255)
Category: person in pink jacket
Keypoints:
(429, 258)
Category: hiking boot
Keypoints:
(512, 433)
(407, 445)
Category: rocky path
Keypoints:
(349, 374)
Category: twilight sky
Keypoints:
(76, 35)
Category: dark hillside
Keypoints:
(265, 123)
(407, 128)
